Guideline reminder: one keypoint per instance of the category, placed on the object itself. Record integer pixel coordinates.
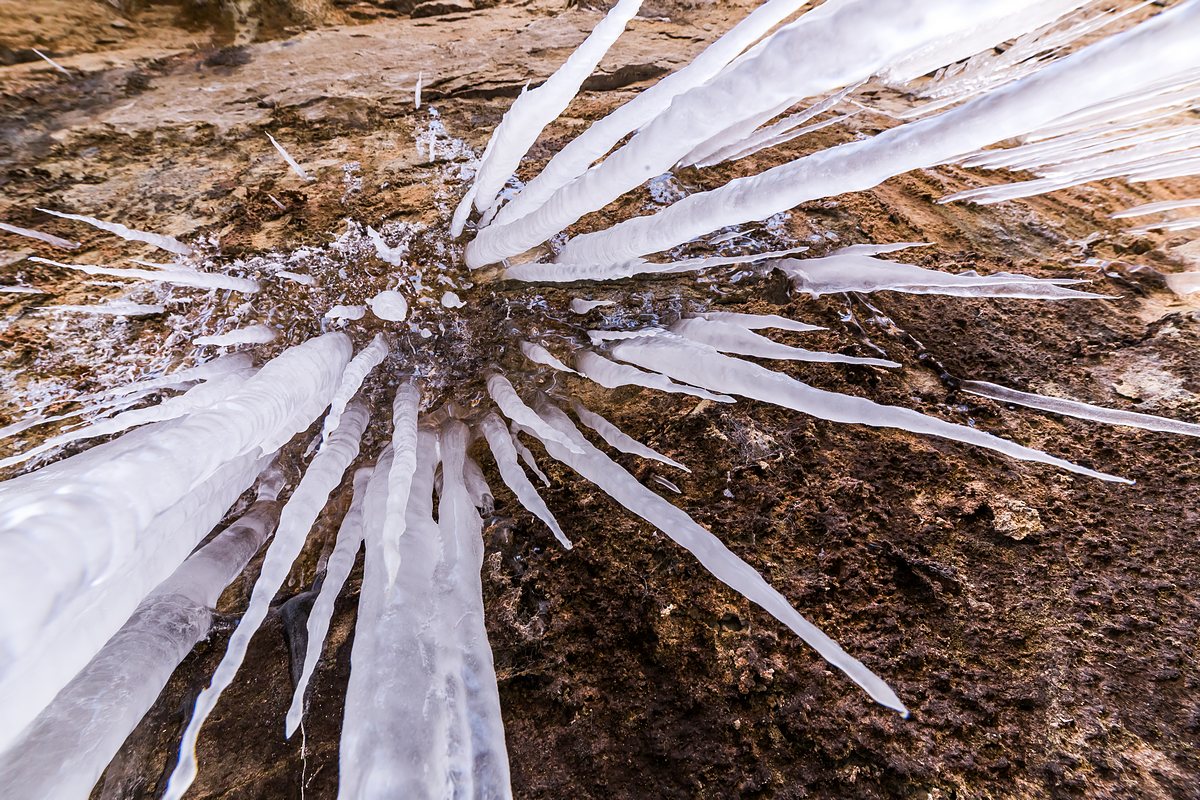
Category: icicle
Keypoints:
(417, 91)
(861, 273)
(346, 312)
(117, 309)
(569, 273)
(501, 445)
(21, 290)
(129, 234)
(295, 277)
(390, 306)
(612, 375)
(1161, 47)
(254, 334)
(1186, 224)
(49, 239)
(181, 277)
(295, 521)
(534, 110)
(730, 338)
(291, 162)
(352, 379)
(513, 407)
(598, 468)
(526, 456)
(540, 355)
(661, 481)
(581, 306)
(50, 61)
(759, 143)
(842, 46)
(1156, 208)
(337, 569)
(1074, 408)
(584, 150)
(477, 487)
(113, 521)
(64, 751)
(618, 439)
(205, 394)
(704, 366)
(754, 322)
(405, 408)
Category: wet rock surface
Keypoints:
(1041, 626)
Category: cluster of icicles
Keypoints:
(105, 592)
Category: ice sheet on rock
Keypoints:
(82, 540)
(405, 408)
(704, 366)
(534, 110)
(351, 381)
(756, 322)
(578, 155)
(500, 442)
(862, 273)
(730, 338)
(1074, 408)
(291, 162)
(840, 46)
(64, 751)
(296, 519)
(581, 306)
(598, 468)
(1160, 48)
(167, 243)
(618, 439)
(253, 334)
(50, 239)
(337, 570)
(179, 277)
(513, 407)
(612, 375)
(540, 355)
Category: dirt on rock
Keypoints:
(1041, 626)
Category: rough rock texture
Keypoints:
(1042, 627)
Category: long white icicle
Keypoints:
(167, 243)
(501, 445)
(356, 372)
(618, 439)
(405, 408)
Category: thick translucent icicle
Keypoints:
(513, 407)
(323, 475)
(501, 444)
(1074, 408)
(405, 408)
(754, 322)
(291, 162)
(337, 570)
(253, 334)
(540, 355)
(581, 152)
(689, 361)
(730, 338)
(64, 751)
(179, 277)
(1152, 51)
(167, 243)
(351, 381)
(50, 239)
(598, 468)
(534, 110)
(612, 375)
(616, 438)
(862, 273)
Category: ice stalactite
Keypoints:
(581, 152)
(167, 243)
(730, 338)
(422, 716)
(337, 570)
(405, 408)
(534, 110)
(754, 322)
(513, 407)
(1074, 408)
(598, 468)
(64, 751)
(180, 475)
(505, 454)
(253, 334)
(569, 273)
(179, 277)
(616, 438)
(47, 238)
(1157, 208)
(323, 475)
(114, 309)
(851, 272)
(685, 360)
(837, 46)
(540, 355)
(356, 372)
(612, 375)
(1154, 50)
(527, 457)
(291, 162)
